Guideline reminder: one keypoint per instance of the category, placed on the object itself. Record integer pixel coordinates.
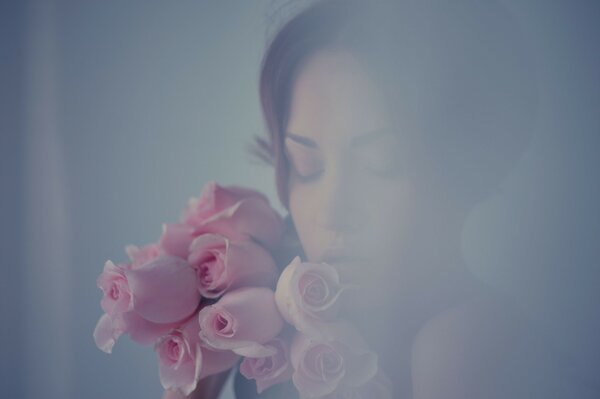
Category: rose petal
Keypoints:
(214, 198)
(280, 368)
(113, 283)
(143, 331)
(215, 361)
(185, 377)
(249, 264)
(106, 334)
(236, 264)
(164, 290)
(253, 349)
(250, 217)
(253, 321)
(176, 239)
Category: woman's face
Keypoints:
(349, 199)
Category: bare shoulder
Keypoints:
(460, 352)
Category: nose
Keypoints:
(340, 208)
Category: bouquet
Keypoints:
(208, 296)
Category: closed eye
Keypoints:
(306, 162)
(309, 178)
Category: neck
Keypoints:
(434, 277)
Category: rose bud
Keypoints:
(215, 198)
(182, 360)
(243, 321)
(222, 264)
(235, 212)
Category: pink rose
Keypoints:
(323, 366)
(269, 370)
(243, 321)
(182, 360)
(116, 300)
(144, 301)
(222, 264)
(308, 296)
(235, 212)
(114, 286)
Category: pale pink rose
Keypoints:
(308, 296)
(164, 290)
(243, 320)
(115, 301)
(222, 264)
(235, 212)
(323, 366)
(120, 318)
(115, 288)
(183, 362)
(176, 239)
(269, 370)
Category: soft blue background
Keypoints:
(114, 113)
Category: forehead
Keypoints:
(334, 99)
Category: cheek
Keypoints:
(302, 210)
(392, 219)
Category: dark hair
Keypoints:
(457, 75)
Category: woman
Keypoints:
(388, 122)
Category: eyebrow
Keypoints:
(358, 141)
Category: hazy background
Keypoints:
(113, 113)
